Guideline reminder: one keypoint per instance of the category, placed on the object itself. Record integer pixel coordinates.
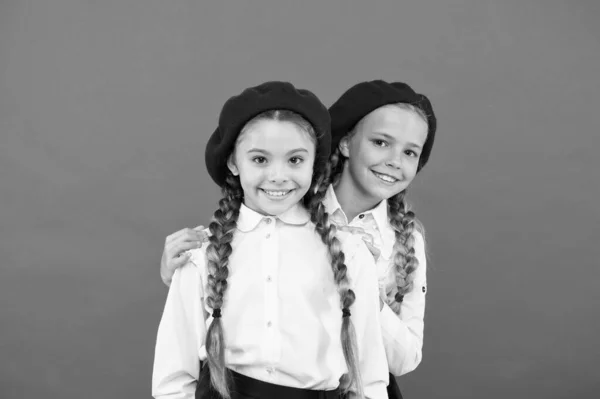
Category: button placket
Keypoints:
(271, 251)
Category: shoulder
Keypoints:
(419, 241)
(187, 279)
(197, 258)
(198, 255)
(419, 246)
(421, 255)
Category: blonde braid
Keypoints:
(404, 224)
(217, 253)
(327, 231)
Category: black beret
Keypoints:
(366, 97)
(238, 110)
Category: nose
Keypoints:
(394, 163)
(395, 160)
(277, 174)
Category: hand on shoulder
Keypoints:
(177, 249)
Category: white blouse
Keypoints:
(402, 334)
(281, 314)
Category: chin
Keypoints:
(380, 194)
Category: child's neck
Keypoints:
(352, 200)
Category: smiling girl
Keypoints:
(275, 304)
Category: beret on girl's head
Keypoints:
(238, 110)
(366, 97)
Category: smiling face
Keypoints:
(383, 153)
(274, 161)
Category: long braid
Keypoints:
(404, 223)
(314, 202)
(217, 253)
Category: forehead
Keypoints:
(274, 136)
(402, 124)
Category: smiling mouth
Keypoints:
(386, 178)
(276, 194)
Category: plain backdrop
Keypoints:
(105, 108)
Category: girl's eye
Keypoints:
(411, 153)
(380, 143)
(259, 160)
(296, 160)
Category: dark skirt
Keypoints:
(243, 387)
(393, 390)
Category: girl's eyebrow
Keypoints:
(261, 151)
(390, 138)
(297, 150)
(385, 135)
(413, 145)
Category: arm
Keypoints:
(366, 320)
(181, 335)
(403, 334)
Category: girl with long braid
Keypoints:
(277, 303)
(383, 134)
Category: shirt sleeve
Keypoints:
(403, 334)
(181, 336)
(366, 319)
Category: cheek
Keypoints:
(364, 157)
(409, 174)
(304, 174)
(250, 175)
(412, 167)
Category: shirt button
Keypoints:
(270, 370)
(361, 216)
(269, 279)
(268, 235)
(269, 324)
(268, 221)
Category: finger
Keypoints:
(187, 236)
(374, 251)
(176, 235)
(181, 247)
(367, 238)
(358, 230)
(202, 235)
(178, 262)
(351, 229)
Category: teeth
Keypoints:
(276, 193)
(386, 178)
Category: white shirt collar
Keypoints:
(379, 214)
(249, 219)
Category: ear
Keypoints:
(344, 146)
(232, 166)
